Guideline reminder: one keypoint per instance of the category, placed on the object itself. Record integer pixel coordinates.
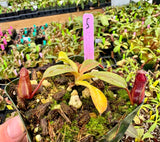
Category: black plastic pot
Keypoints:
(59, 10)
(112, 61)
(109, 52)
(156, 1)
(2, 15)
(25, 11)
(34, 14)
(94, 5)
(8, 14)
(27, 16)
(4, 82)
(104, 4)
(114, 135)
(72, 8)
(11, 14)
(4, 113)
(39, 40)
(41, 13)
(22, 16)
(86, 7)
(53, 11)
(66, 10)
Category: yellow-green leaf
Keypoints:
(57, 70)
(98, 98)
(104, 20)
(63, 57)
(88, 65)
(85, 76)
(109, 77)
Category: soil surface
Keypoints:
(42, 20)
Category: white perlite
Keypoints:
(38, 138)
(75, 100)
(86, 93)
(46, 84)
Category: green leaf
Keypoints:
(28, 56)
(32, 45)
(157, 32)
(57, 70)
(125, 45)
(98, 98)
(140, 132)
(104, 20)
(150, 121)
(88, 65)
(37, 48)
(116, 48)
(147, 135)
(120, 38)
(152, 127)
(115, 134)
(5, 63)
(109, 77)
(148, 21)
(51, 57)
(150, 10)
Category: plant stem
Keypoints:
(130, 97)
(37, 87)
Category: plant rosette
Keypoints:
(74, 103)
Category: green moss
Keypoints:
(122, 94)
(52, 106)
(70, 133)
(97, 126)
(67, 95)
(2, 105)
(51, 122)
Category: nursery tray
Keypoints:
(28, 13)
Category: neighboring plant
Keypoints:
(119, 44)
(61, 38)
(148, 115)
(24, 87)
(138, 47)
(138, 90)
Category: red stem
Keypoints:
(39, 85)
(130, 97)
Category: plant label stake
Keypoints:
(88, 36)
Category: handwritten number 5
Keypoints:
(87, 23)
